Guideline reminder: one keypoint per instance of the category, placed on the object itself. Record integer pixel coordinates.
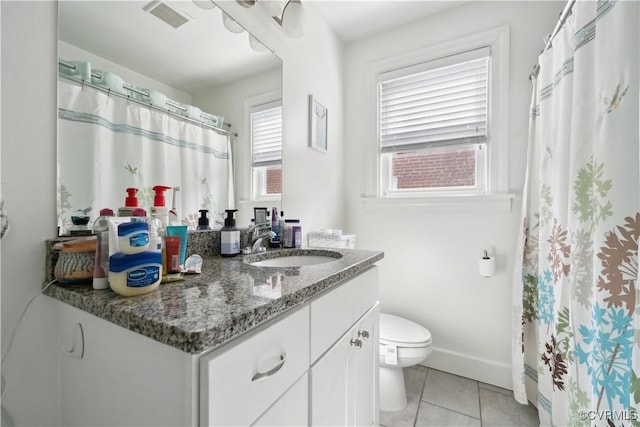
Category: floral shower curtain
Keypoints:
(576, 321)
(107, 144)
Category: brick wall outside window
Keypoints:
(434, 169)
(274, 181)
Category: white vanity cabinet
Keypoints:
(313, 365)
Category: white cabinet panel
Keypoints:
(241, 382)
(292, 409)
(123, 378)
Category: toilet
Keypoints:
(403, 343)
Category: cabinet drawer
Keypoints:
(333, 313)
(240, 383)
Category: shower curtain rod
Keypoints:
(563, 17)
(145, 104)
(561, 20)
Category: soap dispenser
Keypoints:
(159, 208)
(130, 203)
(230, 235)
(203, 221)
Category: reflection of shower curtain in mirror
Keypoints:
(107, 144)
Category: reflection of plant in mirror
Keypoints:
(133, 170)
(63, 206)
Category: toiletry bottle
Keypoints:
(155, 240)
(292, 229)
(101, 266)
(281, 226)
(159, 208)
(229, 235)
(139, 215)
(130, 203)
(173, 212)
(275, 227)
(297, 234)
(203, 221)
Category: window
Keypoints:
(433, 126)
(266, 150)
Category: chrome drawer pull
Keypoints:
(363, 334)
(356, 343)
(261, 375)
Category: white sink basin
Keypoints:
(294, 259)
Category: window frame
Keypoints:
(497, 153)
(258, 173)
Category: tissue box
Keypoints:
(331, 239)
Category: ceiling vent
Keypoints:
(167, 13)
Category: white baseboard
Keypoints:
(475, 368)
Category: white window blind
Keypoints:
(441, 102)
(266, 134)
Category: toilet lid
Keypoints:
(398, 330)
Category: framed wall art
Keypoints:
(317, 125)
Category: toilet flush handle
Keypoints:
(363, 334)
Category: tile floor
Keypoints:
(436, 398)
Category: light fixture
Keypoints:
(230, 24)
(256, 45)
(246, 3)
(291, 19)
(204, 4)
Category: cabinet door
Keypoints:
(344, 381)
(362, 369)
(329, 394)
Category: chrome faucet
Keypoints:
(257, 235)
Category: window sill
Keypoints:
(466, 203)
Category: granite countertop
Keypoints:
(227, 299)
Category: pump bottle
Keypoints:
(203, 221)
(159, 208)
(130, 203)
(230, 235)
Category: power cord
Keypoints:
(24, 311)
(6, 418)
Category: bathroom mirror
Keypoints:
(189, 51)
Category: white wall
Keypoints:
(29, 63)
(429, 273)
(313, 182)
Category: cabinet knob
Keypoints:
(363, 334)
(356, 343)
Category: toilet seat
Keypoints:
(401, 332)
